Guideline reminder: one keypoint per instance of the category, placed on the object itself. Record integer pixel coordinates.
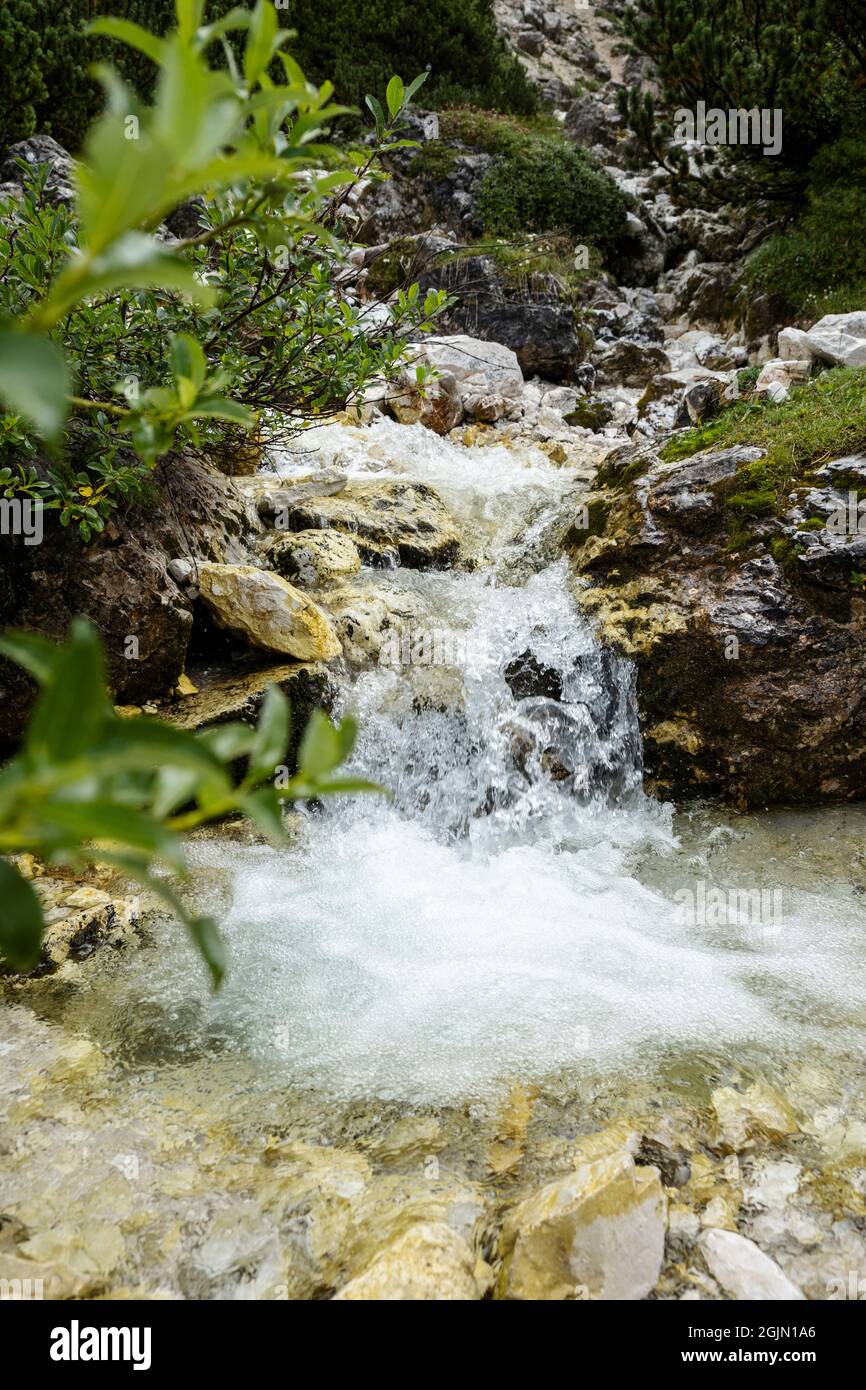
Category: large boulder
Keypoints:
(391, 523)
(32, 152)
(597, 1234)
(531, 313)
(744, 1271)
(311, 558)
(488, 375)
(589, 122)
(437, 405)
(223, 697)
(542, 332)
(628, 362)
(838, 339)
(778, 376)
(705, 291)
(264, 610)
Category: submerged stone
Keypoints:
(429, 1262)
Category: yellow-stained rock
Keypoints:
(267, 612)
(311, 558)
(759, 1112)
(597, 1233)
(429, 1262)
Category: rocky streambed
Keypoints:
(519, 1031)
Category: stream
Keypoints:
(513, 950)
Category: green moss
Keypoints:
(813, 523)
(755, 503)
(746, 378)
(591, 415)
(520, 257)
(785, 551)
(434, 160)
(597, 512)
(393, 268)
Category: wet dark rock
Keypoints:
(527, 677)
(530, 314)
(588, 122)
(705, 292)
(628, 362)
(121, 582)
(688, 494)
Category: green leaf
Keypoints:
(394, 95)
(221, 408)
(324, 747)
(175, 786)
(376, 108)
(263, 807)
(189, 16)
(129, 33)
(118, 824)
(21, 922)
(227, 741)
(72, 705)
(272, 735)
(414, 85)
(187, 359)
(137, 261)
(261, 40)
(205, 934)
(145, 743)
(35, 381)
(238, 18)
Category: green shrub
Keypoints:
(803, 57)
(45, 56)
(539, 182)
(358, 46)
(91, 301)
(819, 266)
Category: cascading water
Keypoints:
(493, 919)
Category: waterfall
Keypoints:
(510, 911)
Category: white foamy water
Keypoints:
(389, 963)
